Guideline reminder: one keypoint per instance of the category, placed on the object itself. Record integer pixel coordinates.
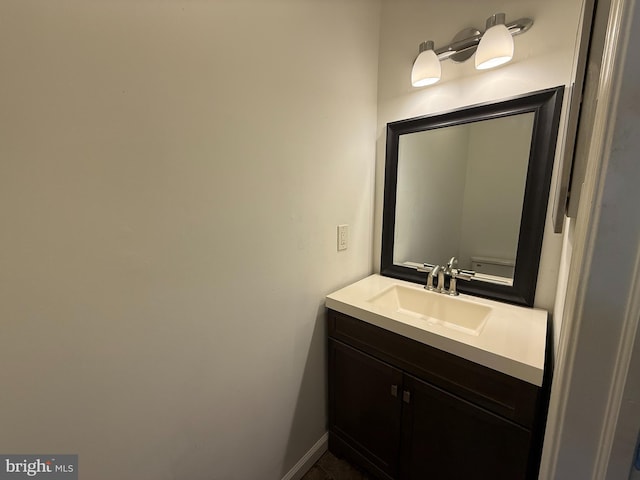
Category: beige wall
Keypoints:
(171, 177)
(543, 59)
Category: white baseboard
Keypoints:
(308, 459)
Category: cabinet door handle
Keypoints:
(406, 396)
(394, 390)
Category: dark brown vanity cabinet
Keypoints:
(366, 395)
(404, 410)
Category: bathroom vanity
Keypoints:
(424, 384)
(415, 393)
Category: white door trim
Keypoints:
(595, 348)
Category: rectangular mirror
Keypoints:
(472, 183)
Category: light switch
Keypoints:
(343, 237)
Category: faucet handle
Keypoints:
(426, 267)
(463, 274)
(455, 275)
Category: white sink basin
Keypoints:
(434, 308)
(504, 337)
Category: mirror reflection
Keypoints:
(472, 183)
(460, 192)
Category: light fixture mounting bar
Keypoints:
(516, 27)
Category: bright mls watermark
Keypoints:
(45, 467)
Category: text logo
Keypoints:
(40, 467)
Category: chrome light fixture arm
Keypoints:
(470, 42)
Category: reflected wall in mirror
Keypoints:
(472, 183)
(481, 170)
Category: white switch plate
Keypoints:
(343, 237)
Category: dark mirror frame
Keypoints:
(546, 104)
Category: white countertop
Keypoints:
(512, 340)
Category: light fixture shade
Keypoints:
(426, 69)
(496, 46)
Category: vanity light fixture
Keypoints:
(492, 47)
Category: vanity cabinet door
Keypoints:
(364, 405)
(448, 438)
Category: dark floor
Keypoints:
(331, 468)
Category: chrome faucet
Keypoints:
(450, 265)
(433, 270)
(454, 274)
(439, 272)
